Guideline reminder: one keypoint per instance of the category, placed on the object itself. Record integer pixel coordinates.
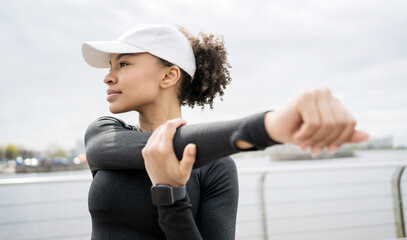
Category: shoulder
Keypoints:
(106, 124)
(110, 121)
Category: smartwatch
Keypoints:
(166, 195)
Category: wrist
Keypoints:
(269, 123)
(241, 144)
(166, 195)
(166, 181)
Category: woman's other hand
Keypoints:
(162, 165)
(316, 120)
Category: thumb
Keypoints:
(188, 159)
(358, 136)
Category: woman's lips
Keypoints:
(110, 91)
(111, 94)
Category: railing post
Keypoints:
(398, 202)
(263, 205)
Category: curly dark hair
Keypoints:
(211, 74)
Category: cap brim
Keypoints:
(97, 54)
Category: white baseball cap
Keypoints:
(159, 40)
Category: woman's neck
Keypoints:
(152, 119)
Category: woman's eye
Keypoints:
(122, 64)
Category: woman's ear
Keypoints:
(171, 78)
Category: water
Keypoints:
(310, 205)
(360, 156)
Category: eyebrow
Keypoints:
(120, 56)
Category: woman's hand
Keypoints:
(315, 119)
(162, 166)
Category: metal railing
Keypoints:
(46, 207)
(398, 202)
(395, 183)
(263, 174)
(53, 179)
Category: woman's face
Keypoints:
(133, 81)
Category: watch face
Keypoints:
(162, 195)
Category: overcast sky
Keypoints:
(277, 49)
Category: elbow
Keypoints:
(93, 156)
(98, 154)
(94, 145)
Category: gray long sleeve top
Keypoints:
(119, 197)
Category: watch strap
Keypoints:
(166, 195)
(179, 192)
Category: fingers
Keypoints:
(188, 160)
(311, 120)
(170, 129)
(162, 137)
(346, 133)
(325, 123)
(335, 121)
(359, 136)
(340, 123)
(162, 165)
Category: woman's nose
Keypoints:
(110, 79)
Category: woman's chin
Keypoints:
(116, 110)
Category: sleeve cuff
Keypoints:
(252, 130)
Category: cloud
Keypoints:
(278, 49)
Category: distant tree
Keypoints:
(60, 153)
(2, 154)
(11, 151)
(54, 150)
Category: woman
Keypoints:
(155, 69)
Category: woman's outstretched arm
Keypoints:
(314, 120)
(111, 144)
